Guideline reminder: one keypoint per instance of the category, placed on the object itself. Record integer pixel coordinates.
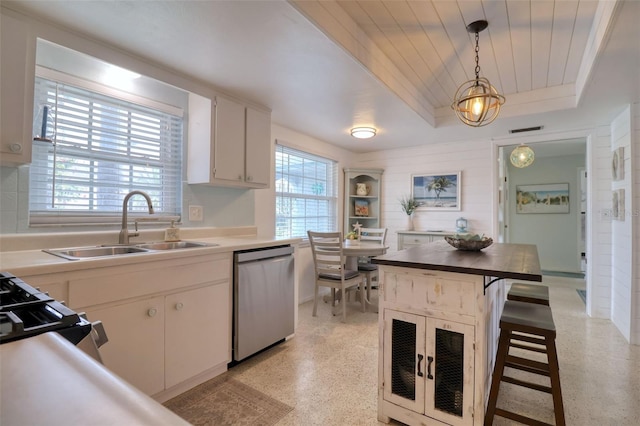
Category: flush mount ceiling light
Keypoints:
(477, 103)
(363, 132)
(522, 156)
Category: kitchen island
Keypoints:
(438, 329)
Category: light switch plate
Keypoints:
(195, 214)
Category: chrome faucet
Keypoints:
(124, 232)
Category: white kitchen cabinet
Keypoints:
(135, 350)
(196, 322)
(17, 70)
(232, 147)
(181, 336)
(258, 148)
(407, 239)
(430, 366)
(168, 322)
(229, 151)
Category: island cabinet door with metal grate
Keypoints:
(429, 366)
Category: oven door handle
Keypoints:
(99, 335)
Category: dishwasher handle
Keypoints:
(268, 253)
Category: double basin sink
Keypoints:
(78, 253)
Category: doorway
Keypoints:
(558, 229)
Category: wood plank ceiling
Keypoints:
(532, 51)
(325, 66)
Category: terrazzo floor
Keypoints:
(328, 371)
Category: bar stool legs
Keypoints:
(529, 327)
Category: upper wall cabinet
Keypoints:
(17, 67)
(229, 144)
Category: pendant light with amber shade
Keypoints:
(476, 102)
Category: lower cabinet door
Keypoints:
(450, 366)
(197, 332)
(428, 366)
(135, 350)
(404, 353)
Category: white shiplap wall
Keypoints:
(621, 232)
(599, 224)
(474, 159)
(634, 217)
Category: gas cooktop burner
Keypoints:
(26, 311)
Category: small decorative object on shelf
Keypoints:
(361, 208)
(461, 224)
(469, 242)
(356, 228)
(362, 189)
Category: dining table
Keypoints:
(353, 251)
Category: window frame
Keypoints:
(112, 214)
(329, 199)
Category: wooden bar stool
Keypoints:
(529, 293)
(536, 321)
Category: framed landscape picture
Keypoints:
(361, 208)
(543, 198)
(439, 191)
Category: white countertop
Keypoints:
(48, 381)
(36, 262)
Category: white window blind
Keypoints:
(101, 148)
(306, 193)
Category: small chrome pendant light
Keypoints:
(477, 103)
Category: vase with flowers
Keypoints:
(409, 206)
(351, 239)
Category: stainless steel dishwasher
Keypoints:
(263, 299)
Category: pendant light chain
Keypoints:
(477, 57)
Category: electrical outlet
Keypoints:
(195, 214)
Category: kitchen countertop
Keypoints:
(67, 387)
(499, 260)
(36, 262)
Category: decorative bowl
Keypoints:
(469, 245)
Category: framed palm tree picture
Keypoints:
(437, 191)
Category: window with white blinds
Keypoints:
(100, 148)
(306, 193)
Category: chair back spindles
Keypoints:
(329, 261)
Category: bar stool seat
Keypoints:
(529, 293)
(530, 327)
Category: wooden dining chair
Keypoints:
(329, 261)
(368, 269)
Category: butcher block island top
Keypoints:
(499, 260)
(438, 328)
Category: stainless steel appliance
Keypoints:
(263, 299)
(25, 312)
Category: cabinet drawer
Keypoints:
(422, 291)
(54, 284)
(412, 240)
(120, 283)
(417, 239)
